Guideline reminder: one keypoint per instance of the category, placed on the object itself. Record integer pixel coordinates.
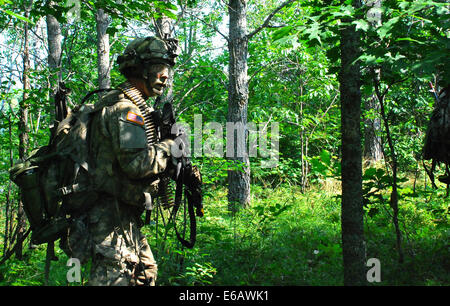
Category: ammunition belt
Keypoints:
(165, 193)
(147, 112)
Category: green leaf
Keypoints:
(25, 19)
(281, 33)
(325, 156)
(370, 173)
(361, 24)
(385, 29)
(314, 32)
(411, 39)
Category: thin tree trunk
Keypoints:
(372, 126)
(23, 127)
(302, 145)
(238, 38)
(352, 209)
(394, 165)
(8, 194)
(163, 29)
(103, 65)
(54, 38)
(238, 181)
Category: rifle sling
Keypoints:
(192, 220)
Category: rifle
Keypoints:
(187, 177)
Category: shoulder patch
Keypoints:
(135, 118)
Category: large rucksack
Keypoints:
(437, 140)
(54, 181)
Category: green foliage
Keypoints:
(30, 270)
(290, 235)
(285, 238)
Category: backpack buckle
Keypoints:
(63, 191)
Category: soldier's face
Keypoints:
(157, 80)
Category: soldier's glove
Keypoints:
(164, 154)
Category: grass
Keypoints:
(285, 238)
(290, 238)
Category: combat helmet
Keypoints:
(142, 52)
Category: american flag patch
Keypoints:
(135, 118)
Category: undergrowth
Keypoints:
(285, 238)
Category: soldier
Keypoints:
(126, 170)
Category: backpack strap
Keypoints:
(94, 92)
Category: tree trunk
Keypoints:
(238, 181)
(352, 209)
(54, 38)
(394, 165)
(103, 64)
(23, 126)
(372, 126)
(8, 220)
(163, 29)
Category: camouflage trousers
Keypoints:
(110, 235)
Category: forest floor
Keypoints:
(286, 238)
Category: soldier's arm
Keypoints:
(123, 123)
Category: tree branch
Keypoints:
(266, 22)
(210, 25)
(192, 89)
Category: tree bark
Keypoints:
(352, 205)
(238, 181)
(238, 38)
(23, 126)
(54, 38)
(163, 29)
(372, 126)
(8, 220)
(103, 63)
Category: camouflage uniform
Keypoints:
(125, 171)
(124, 168)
